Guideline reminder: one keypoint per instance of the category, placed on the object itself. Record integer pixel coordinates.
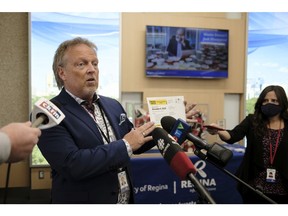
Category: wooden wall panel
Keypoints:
(133, 58)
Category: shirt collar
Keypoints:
(79, 100)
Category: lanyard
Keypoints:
(107, 138)
(91, 111)
(272, 155)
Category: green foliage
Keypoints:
(37, 157)
(250, 103)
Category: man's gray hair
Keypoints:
(60, 52)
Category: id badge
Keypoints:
(122, 177)
(271, 175)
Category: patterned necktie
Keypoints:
(100, 120)
(90, 106)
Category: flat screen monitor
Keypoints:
(183, 52)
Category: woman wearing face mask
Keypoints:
(265, 162)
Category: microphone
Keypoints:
(46, 114)
(173, 153)
(179, 161)
(180, 130)
(215, 153)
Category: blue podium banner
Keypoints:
(155, 182)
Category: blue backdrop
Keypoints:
(155, 182)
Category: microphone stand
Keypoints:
(7, 184)
(201, 189)
(204, 157)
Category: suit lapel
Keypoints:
(70, 105)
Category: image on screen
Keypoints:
(186, 52)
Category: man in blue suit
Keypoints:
(89, 151)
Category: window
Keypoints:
(48, 30)
(267, 54)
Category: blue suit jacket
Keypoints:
(84, 170)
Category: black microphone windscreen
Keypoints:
(167, 122)
(165, 143)
(219, 154)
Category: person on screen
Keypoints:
(17, 141)
(265, 162)
(178, 45)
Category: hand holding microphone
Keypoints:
(21, 139)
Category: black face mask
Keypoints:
(270, 109)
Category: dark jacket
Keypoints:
(253, 157)
(84, 170)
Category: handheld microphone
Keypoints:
(46, 114)
(173, 153)
(180, 130)
(179, 161)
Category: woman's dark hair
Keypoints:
(260, 120)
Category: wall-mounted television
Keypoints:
(183, 52)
